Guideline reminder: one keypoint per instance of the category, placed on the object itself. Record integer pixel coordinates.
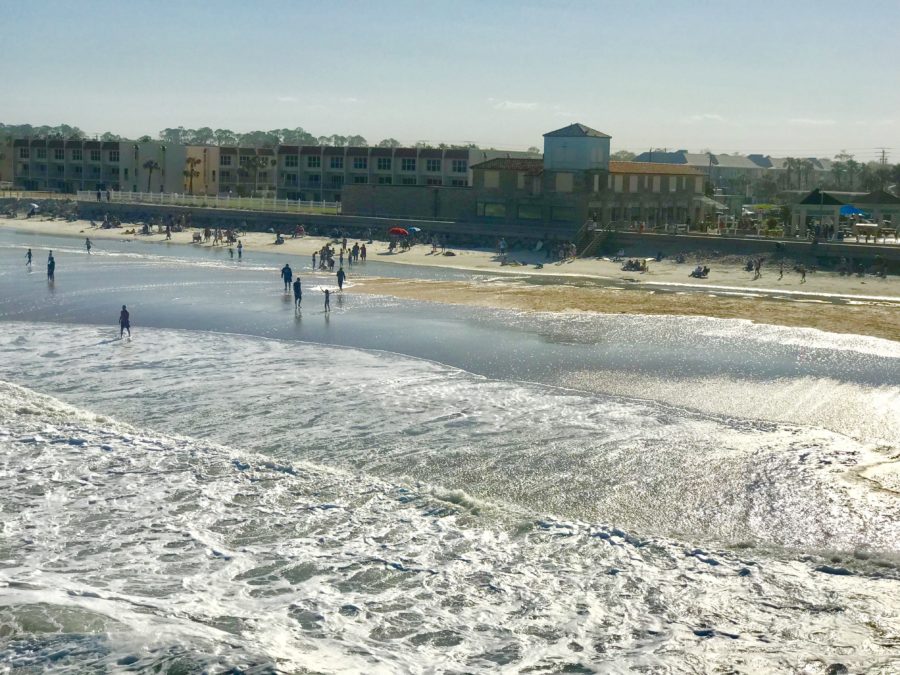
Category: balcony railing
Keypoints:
(213, 202)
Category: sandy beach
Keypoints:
(847, 304)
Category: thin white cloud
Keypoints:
(513, 105)
(811, 122)
(287, 99)
(703, 117)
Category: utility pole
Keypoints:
(883, 172)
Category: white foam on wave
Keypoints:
(123, 546)
(659, 469)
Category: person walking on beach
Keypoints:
(327, 300)
(298, 292)
(124, 322)
(341, 275)
(314, 259)
(28, 258)
(98, 194)
(240, 248)
(231, 252)
(51, 268)
(781, 271)
(287, 275)
(362, 252)
(87, 244)
(802, 274)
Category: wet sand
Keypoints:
(827, 301)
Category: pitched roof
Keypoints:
(662, 157)
(532, 166)
(735, 162)
(817, 198)
(575, 130)
(877, 197)
(653, 168)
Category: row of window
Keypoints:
(655, 183)
(525, 211)
(359, 163)
(59, 154)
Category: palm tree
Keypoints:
(151, 165)
(254, 164)
(191, 172)
(790, 165)
(852, 171)
(806, 167)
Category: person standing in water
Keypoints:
(124, 322)
(327, 300)
(51, 268)
(28, 258)
(341, 275)
(240, 248)
(287, 275)
(314, 259)
(298, 292)
(87, 244)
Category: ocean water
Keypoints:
(409, 487)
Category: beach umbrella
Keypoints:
(415, 229)
(35, 206)
(398, 231)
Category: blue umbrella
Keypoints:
(414, 229)
(849, 210)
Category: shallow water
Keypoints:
(410, 487)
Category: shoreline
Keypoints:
(827, 301)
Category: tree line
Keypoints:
(209, 136)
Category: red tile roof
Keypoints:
(532, 166)
(651, 168)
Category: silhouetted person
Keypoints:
(51, 267)
(124, 322)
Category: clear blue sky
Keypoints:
(785, 77)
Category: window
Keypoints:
(60, 168)
(113, 155)
(458, 182)
(337, 163)
(491, 179)
(78, 170)
(225, 160)
(384, 163)
(460, 166)
(407, 164)
(225, 175)
(291, 161)
(433, 181)
(76, 155)
(214, 175)
(243, 160)
(313, 162)
(263, 175)
(59, 155)
(656, 183)
(126, 174)
(337, 181)
(360, 162)
(564, 182)
(408, 181)
(491, 209)
(95, 170)
(618, 183)
(433, 165)
(24, 153)
(562, 213)
(673, 185)
(359, 180)
(290, 178)
(530, 212)
(42, 153)
(95, 155)
(384, 180)
(698, 185)
(632, 183)
(315, 179)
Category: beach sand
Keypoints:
(846, 304)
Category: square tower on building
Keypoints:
(576, 148)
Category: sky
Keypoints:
(792, 77)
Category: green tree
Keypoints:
(623, 156)
(357, 142)
(225, 137)
(151, 165)
(172, 135)
(389, 143)
(145, 139)
(110, 136)
(191, 171)
(203, 136)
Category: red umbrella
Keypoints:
(398, 231)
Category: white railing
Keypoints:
(211, 202)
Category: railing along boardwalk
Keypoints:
(212, 202)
